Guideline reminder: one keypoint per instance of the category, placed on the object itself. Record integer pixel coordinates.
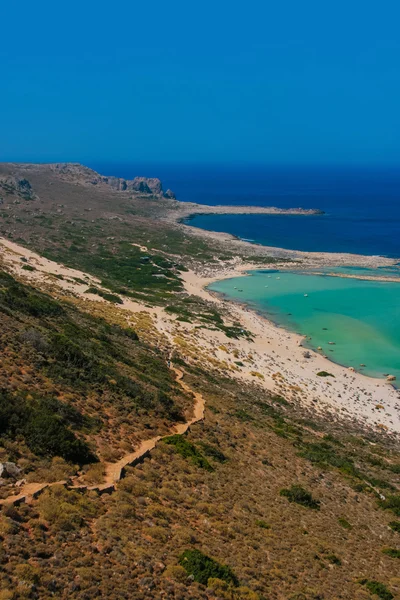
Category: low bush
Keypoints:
(377, 588)
(392, 552)
(106, 295)
(297, 494)
(395, 525)
(324, 455)
(44, 424)
(17, 297)
(324, 374)
(203, 568)
(65, 510)
(263, 524)
(333, 559)
(47, 435)
(392, 502)
(344, 523)
(188, 450)
(213, 452)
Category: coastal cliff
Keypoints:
(75, 172)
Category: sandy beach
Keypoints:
(273, 359)
(277, 355)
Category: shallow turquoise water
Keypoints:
(362, 317)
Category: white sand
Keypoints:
(368, 400)
(275, 354)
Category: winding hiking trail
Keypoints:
(114, 471)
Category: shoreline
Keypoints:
(272, 358)
(249, 250)
(351, 394)
(189, 210)
(304, 339)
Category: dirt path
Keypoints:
(275, 356)
(114, 471)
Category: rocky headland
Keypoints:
(77, 173)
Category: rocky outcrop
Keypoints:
(142, 185)
(9, 469)
(169, 194)
(146, 185)
(139, 185)
(15, 186)
(14, 183)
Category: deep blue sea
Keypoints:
(362, 209)
(362, 205)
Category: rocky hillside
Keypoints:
(77, 173)
(263, 500)
(20, 188)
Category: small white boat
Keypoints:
(305, 295)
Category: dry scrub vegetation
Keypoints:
(261, 501)
(75, 387)
(219, 492)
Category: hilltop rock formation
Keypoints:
(18, 187)
(140, 185)
(145, 184)
(14, 183)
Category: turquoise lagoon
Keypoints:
(361, 316)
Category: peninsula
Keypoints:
(146, 421)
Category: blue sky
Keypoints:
(279, 82)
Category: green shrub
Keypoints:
(65, 510)
(263, 524)
(243, 415)
(47, 435)
(345, 524)
(106, 295)
(188, 450)
(122, 270)
(213, 452)
(203, 568)
(44, 424)
(17, 297)
(280, 400)
(324, 374)
(380, 483)
(297, 494)
(395, 525)
(333, 559)
(392, 552)
(392, 502)
(377, 588)
(324, 455)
